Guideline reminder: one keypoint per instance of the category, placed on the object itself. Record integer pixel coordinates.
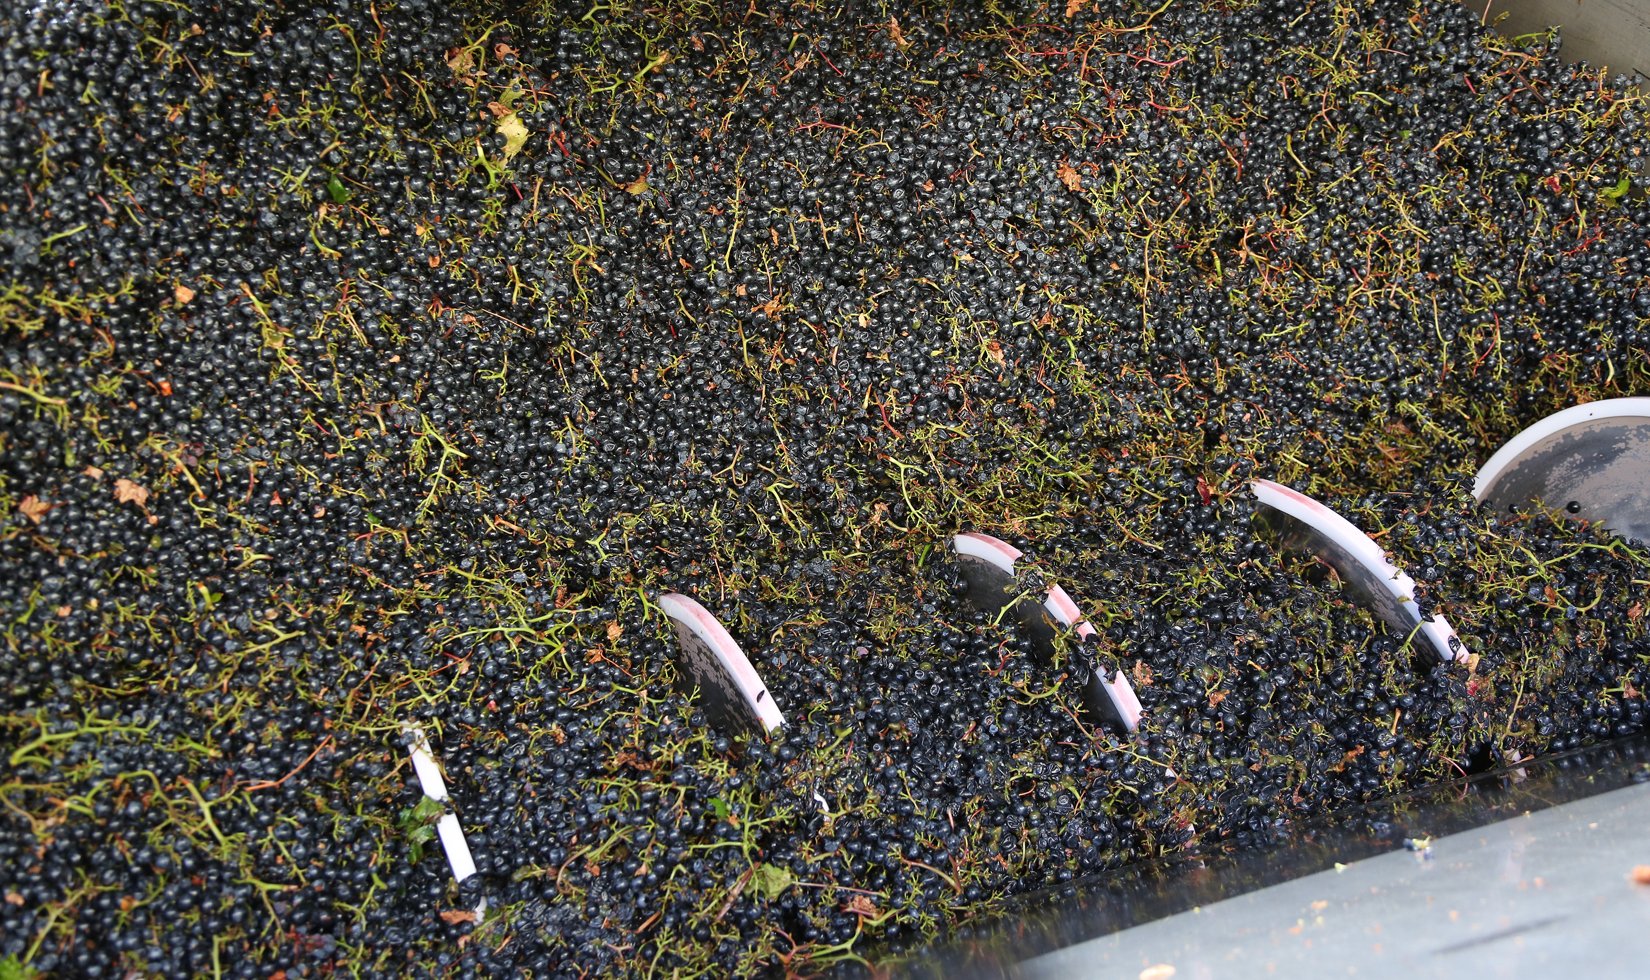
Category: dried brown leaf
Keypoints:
(897, 34)
(463, 64)
(182, 293)
(128, 492)
(861, 905)
(455, 916)
(1075, 7)
(1069, 176)
(33, 508)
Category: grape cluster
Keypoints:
(367, 363)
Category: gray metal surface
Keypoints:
(1615, 33)
(1526, 897)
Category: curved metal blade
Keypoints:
(728, 683)
(1305, 526)
(988, 565)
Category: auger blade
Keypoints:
(988, 565)
(1308, 527)
(729, 686)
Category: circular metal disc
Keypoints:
(1592, 460)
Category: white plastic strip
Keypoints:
(457, 848)
(1362, 564)
(447, 828)
(723, 672)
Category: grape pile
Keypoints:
(367, 363)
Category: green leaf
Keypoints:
(428, 810)
(11, 968)
(418, 824)
(337, 191)
(1617, 192)
(770, 880)
(720, 806)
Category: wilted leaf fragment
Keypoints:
(454, 917)
(1069, 176)
(513, 130)
(462, 62)
(33, 508)
(862, 906)
(128, 492)
(418, 824)
(1075, 7)
(182, 294)
(897, 35)
(770, 880)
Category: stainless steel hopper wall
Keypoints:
(1615, 33)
